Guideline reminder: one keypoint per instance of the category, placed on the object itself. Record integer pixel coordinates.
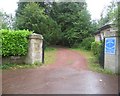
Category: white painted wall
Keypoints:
(97, 38)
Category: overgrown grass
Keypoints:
(19, 66)
(50, 57)
(92, 61)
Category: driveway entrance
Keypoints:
(69, 75)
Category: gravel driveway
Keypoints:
(68, 75)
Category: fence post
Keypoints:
(43, 45)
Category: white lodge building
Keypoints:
(104, 31)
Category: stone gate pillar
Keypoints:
(35, 49)
(119, 54)
(112, 52)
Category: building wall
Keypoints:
(109, 32)
(97, 38)
(105, 33)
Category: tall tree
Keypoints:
(64, 23)
(118, 18)
(109, 14)
(33, 17)
(6, 20)
(74, 20)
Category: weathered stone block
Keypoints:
(13, 60)
(35, 49)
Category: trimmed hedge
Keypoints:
(14, 43)
(96, 48)
(0, 44)
(86, 43)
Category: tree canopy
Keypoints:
(33, 17)
(6, 20)
(109, 14)
(74, 21)
(65, 23)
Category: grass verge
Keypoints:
(19, 66)
(50, 55)
(92, 61)
(49, 58)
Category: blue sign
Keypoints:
(110, 45)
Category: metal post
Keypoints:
(43, 52)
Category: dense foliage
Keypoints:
(33, 17)
(14, 42)
(64, 23)
(112, 15)
(74, 20)
(0, 44)
(118, 18)
(96, 48)
(86, 43)
(109, 14)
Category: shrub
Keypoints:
(96, 48)
(0, 44)
(14, 43)
(86, 43)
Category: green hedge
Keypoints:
(96, 48)
(86, 43)
(0, 44)
(14, 43)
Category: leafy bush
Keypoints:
(0, 44)
(86, 43)
(96, 48)
(14, 43)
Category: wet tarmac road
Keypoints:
(69, 75)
